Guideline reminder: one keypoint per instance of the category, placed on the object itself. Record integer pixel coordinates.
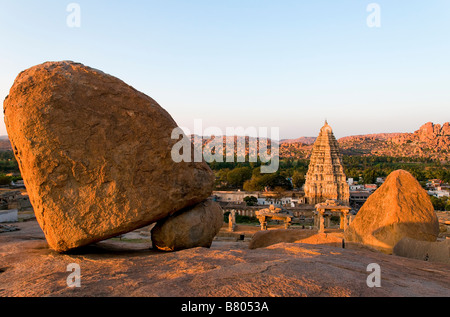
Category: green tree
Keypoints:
(221, 178)
(236, 177)
(298, 179)
(439, 203)
(5, 180)
(251, 200)
(369, 176)
(271, 181)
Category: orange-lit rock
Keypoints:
(399, 208)
(95, 154)
(194, 227)
(263, 239)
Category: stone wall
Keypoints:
(424, 250)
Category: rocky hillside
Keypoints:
(430, 141)
(5, 145)
(303, 139)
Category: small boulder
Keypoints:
(189, 228)
(399, 208)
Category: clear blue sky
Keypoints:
(288, 64)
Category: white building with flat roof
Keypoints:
(439, 193)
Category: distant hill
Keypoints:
(430, 141)
(5, 145)
(304, 139)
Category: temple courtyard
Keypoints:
(128, 267)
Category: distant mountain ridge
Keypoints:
(303, 139)
(430, 141)
(5, 145)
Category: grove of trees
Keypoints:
(292, 173)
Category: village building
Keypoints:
(439, 193)
(287, 199)
(356, 187)
(370, 187)
(358, 198)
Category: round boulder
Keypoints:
(189, 228)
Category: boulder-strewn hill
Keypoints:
(303, 139)
(430, 141)
(5, 145)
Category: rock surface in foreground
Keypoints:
(190, 228)
(95, 154)
(227, 269)
(399, 208)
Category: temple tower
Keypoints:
(326, 178)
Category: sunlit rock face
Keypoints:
(194, 227)
(95, 154)
(399, 208)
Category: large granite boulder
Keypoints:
(194, 227)
(399, 208)
(95, 154)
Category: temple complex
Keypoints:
(326, 178)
